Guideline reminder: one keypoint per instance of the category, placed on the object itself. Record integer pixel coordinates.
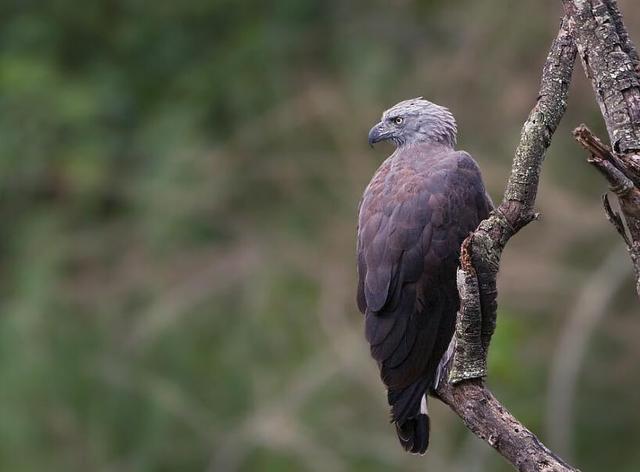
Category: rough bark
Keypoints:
(609, 66)
(465, 392)
(483, 414)
(611, 62)
(469, 360)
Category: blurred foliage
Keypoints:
(179, 183)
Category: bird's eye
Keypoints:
(398, 120)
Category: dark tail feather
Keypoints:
(414, 434)
(412, 424)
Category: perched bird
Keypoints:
(422, 202)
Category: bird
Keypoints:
(416, 211)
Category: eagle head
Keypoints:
(415, 121)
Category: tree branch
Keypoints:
(466, 393)
(485, 416)
(611, 62)
(612, 169)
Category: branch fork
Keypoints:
(465, 391)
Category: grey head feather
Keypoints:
(418, 120)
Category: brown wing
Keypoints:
(411, 225)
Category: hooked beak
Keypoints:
(378, 133)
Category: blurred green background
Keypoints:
(178, 193)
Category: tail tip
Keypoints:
(414, 434)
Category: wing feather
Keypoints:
(412, 222)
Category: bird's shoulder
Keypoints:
(413, 172)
